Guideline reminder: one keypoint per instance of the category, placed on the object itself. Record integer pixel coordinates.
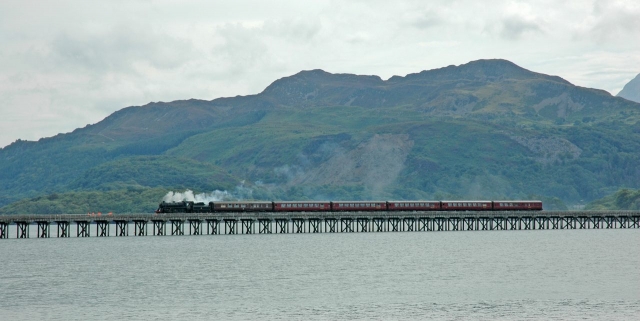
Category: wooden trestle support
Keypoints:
(318, 223)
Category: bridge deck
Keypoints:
(316, 222)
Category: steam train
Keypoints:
(341, 206)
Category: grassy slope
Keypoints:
(132, 200)
(624, 199)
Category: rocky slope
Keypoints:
(631, 90)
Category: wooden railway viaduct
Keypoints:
(311, 222)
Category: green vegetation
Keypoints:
(624, 199)
(132, 200)
(485, 130)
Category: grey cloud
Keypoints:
(119, 48)
(244, 47)
(241, 49)
(613, 20)
(513, 28)
(426, 20)
(297, 31)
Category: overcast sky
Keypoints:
(66, 64)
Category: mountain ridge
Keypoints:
(456, 131)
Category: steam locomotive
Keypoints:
(341, 206)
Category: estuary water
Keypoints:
(497, 275)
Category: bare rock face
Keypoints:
(563, 103)
(631, 90)
(549, 150)
(375, 163)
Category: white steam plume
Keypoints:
(241, 192)
(203, 197)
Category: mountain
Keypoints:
(631, 90)
(488, 129)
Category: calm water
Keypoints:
(505, 275)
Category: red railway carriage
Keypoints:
(413, 205)
(517, 205)
(466, 205)
(241, 206)
(359, 206)
(301, 206)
